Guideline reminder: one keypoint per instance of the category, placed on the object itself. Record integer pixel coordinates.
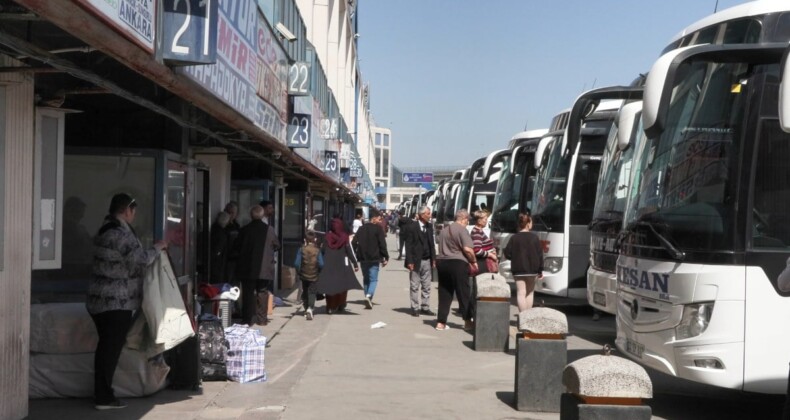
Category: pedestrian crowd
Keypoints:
(326, 265)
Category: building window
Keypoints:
(378, 161)
(385, 164)
(386, 140)
(394, 199)
(378, 139)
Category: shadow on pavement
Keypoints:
(507, 397)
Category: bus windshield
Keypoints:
(684, 186)
(508, 192)
(550, 188)
(613, 183)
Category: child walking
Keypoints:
(308, 264)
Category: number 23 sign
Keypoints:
(189, 31)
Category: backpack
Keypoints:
(213, 348)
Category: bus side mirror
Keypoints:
(629, 114)
(784, 94)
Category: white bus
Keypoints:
(609, 208)
(514, 189)
(563, 200)
(707, 224)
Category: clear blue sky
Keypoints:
(455, 79)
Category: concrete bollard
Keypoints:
(492, 315)
(541, 355)
(605, 387)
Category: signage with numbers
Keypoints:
(330, 165)
(299, 132)
(329, 128)
(299, 79)
(189, 31)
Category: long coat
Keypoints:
(220, 243)
(254, 251)
(338, 273)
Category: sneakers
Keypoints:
(442, 327)
(415, 312)
(112, 405)
(309, 314)
(368, 302)
(428, 312)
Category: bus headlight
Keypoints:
(552, 264)
(695, 320)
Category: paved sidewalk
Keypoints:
(337, 366)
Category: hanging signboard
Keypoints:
(251, 70)
(134, 19)
(189, 31)
(330, 164)
(299, 131)
(329, 128)
(299, 79)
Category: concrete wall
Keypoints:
(17, 231)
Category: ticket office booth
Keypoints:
(169, 191)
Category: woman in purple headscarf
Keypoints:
(337, 276)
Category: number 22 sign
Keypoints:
(189, 31)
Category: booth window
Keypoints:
(176, 216)
(84, 209)
(3, 178)
(48, 188)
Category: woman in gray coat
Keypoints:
(115, 291)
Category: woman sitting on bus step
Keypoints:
(525, 253)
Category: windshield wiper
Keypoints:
(537, 218)
(676, 253)
(598, 221)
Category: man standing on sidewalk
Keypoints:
(255, 248)
(420, 259)
(371, 250)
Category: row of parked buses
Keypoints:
(666, 201)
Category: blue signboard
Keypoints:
(417, 177)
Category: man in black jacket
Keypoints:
(371, 250)
(420, 259)
(254, 250)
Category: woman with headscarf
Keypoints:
(337, 277)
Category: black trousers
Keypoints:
(454, 279)
(308, 294)
(112, 327)
(249, 292)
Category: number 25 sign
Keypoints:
(189, 31)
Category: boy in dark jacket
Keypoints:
(308, 264)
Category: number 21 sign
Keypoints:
(189, 31)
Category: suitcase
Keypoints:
(213, 348)
(184, 362)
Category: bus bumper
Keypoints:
(602, 290)
(696, 359)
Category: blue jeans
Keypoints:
(370, 277)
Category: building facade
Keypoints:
(250, 109)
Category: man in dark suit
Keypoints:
(254, 250)
(420, 259)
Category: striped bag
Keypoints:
(245, 361)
